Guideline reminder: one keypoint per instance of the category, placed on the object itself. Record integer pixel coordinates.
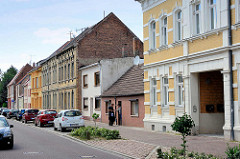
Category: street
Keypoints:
(33, 142)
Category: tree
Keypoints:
(184, 125)
(6, 78)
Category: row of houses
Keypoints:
(191, 64)
(77, 75)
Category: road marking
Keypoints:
(87, 156)
(32, 153)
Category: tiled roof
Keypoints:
(131, 83)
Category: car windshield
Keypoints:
(51, 112)
(72, 113)
(33, 111)
(3, 122)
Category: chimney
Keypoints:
(33, 64)
(135, 46)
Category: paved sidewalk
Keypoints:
(208, 144)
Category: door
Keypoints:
(91, 107)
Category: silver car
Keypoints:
(68, 119)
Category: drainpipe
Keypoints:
(230, 67)
(115, 98)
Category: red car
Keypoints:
(29, 115)
(45, 117)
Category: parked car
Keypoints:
(12, 113)
(6, 134)
(19, 114)
(29, 115)
(5, 111)
(68, 119)
(45, 117)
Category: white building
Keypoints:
(98, 77)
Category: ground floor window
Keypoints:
(107, 105)
(85, 104)
(97, 103)
(134, 107)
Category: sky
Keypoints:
(31, 30)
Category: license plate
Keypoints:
(32, 118)
(50, 121)
(73, 124)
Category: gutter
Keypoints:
(231, 71)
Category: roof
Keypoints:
(16, 76)
(20, 81)
(131, 83)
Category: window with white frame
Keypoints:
(153, 96)
(237, 11)
(212, 13)
(196, 17)
(164, 31)
(178, 25)
(165, 91)
(152, 34)
(134, 107)
(179, 90)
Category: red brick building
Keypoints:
(127, 92)
(11, 96)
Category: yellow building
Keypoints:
(189, 61)
(36, 87)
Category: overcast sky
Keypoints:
(30, 30)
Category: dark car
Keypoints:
(29, 115)
(6, 134)
(12, 113)
(5, 111)
(19, 114)
(45, 117)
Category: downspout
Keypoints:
(115, 98)
(230, 67)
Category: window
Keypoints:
(107, 105)
(36, 82)
(164, 31)
(213, 14)
(238, 11)
(72, 99)
(153, 92)
(196, 17)
(72, 70)
(152, 35)
(97, 103)
(165, 92)
(68, 71)
(69, 101)
(85, 104)
(33, 85)
(65, 72)
(178, 26)
(179, 90)
(96, 78)
(134, 108)
(85, 81)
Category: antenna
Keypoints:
(70, 33)
(31, 59)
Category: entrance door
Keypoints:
(211, 117)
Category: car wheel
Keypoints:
(25, 121)
(62, 129)
(54, 128)
(40, 124)
(35, 123)
(10, 146)
(22, 121)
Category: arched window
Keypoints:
(152, 35)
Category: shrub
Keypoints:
(88, 132)
(233, 152)
(184, 125)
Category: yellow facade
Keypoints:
(36, 88)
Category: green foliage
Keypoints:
(177, 154)
(95, 116)
(4, 105)
(96, 133)
(183, 125)
(6, 77)
(233, 152)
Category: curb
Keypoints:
(152, 152)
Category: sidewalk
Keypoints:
(215, 145)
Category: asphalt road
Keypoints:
(39, 143)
